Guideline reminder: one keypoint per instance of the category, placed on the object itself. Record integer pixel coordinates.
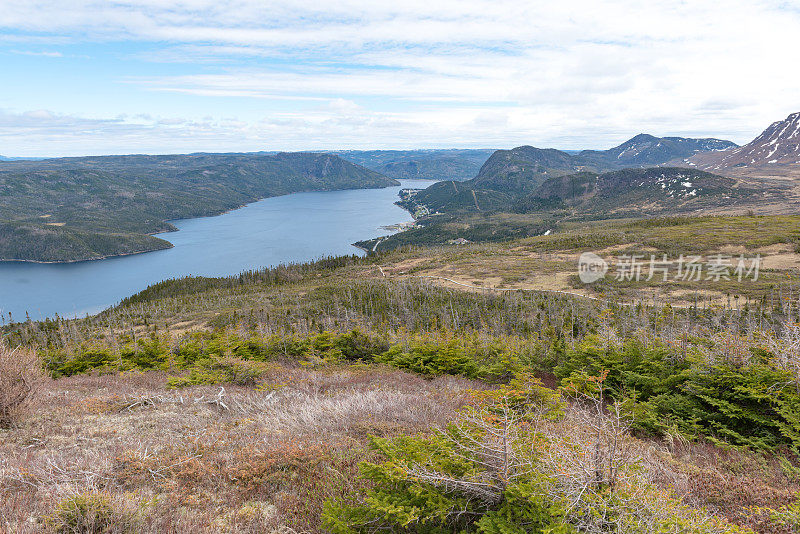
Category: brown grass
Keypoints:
(20, 376)
(144, 458)
(206, 459)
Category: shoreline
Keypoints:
(401, 227)
(175, 229)
(106, 257)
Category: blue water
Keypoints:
(291, 228)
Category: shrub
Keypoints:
(227, 371)
(85, 360)
(752, 404)
(431, 359)
(88, 513)
(356, 345)
(20, 375)
(787, 516)
(145, 354)
(516, 464)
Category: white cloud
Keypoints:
(40, 54)
(476, 72)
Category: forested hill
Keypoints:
(433, 164)
(70, 209)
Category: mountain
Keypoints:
(636, 192)
(649, 151)
(70, 209)
(447, 164)
(506, 175)
(525, 167)
(510, 174)
(567, 200)
(778, 144)
(6, 158)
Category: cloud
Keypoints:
(337, 125)
(587, 73)
(39, 54)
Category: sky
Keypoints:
(80, 77)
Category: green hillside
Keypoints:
(465, 210)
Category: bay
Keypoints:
(291, 228)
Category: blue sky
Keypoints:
(157, 76)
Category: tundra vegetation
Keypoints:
(350, 395)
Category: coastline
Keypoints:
(175, 229)
(401, 227)
(106, 257)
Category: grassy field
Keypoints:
(551, 262)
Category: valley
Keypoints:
(373, 267)
(295, 227)
(461, 375)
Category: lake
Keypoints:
(290, 228)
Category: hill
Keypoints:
(525, 167)
(449, 164)
(778, 144)
(509, 174)
(506, 175)
(70, 209)
(642, 192)
(456, 211)
(639, 190)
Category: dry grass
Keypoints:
(205, 459)
(20, 376)
(125, 454)
(549, 263)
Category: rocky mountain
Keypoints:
(633, 192)
(649, 151)
(506, 175)
(778, 144)
(526, 167)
